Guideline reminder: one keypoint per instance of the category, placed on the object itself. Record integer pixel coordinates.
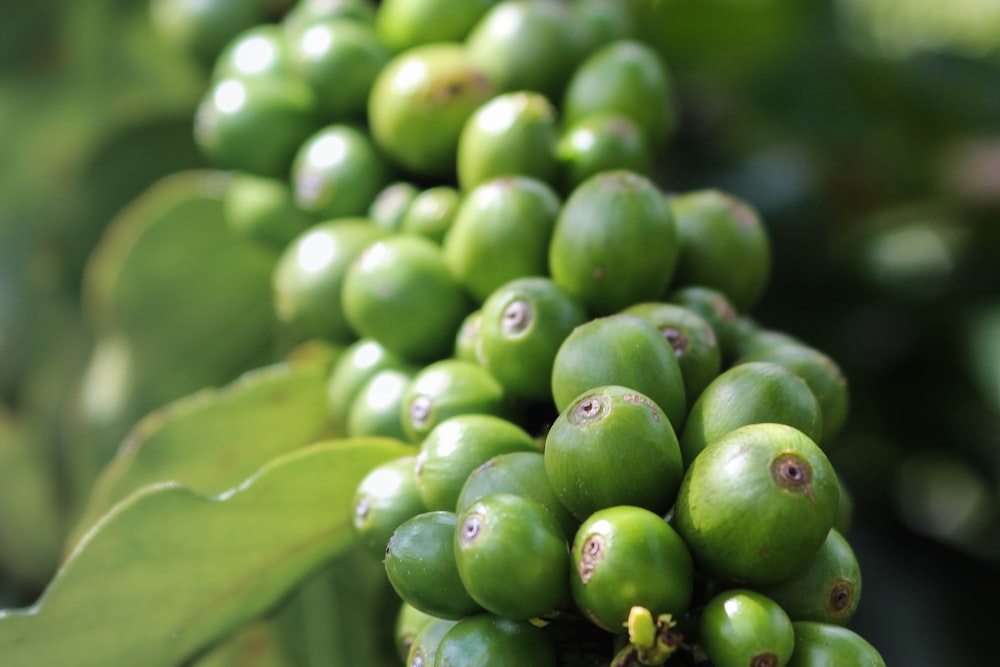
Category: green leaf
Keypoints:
(212, 440)
(167, 572)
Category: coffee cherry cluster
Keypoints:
(612, 461)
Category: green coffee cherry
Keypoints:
(431, 213)
(522, 474)
(446, 389)
(419, 103)
(716, 308)
(337, 172)
(488, 639)
(751, 337)
(613, 446)
(742, 628)
(603, 141)
(619, 350)
(410, 621)
(513, 134)
(467, 338)
(693, 339)
(750, 393)
(501, 231)
(263, 210)
(405, 279)
(357, 364)
(822, 644)
(310, 274)
(404, 24)
(391, 204)
(755, 506)
(523, 324)
(601, 22)
(423, 649)
(512, 556)
(255, 125)
(339, 58)
(724, 245)
(456, 447)
(525, 45)
(627, 77)
(260, 51)
(821, 373)
(385, 498)
(626, 556)
(203, 28)
(420, 565)
(375, 411)
(827, 590)
(614, 243)
(308, 12)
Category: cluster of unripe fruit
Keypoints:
(613, 462)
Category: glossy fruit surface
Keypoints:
(456, 447)
(718, 311)
(825, 645)
(755, 506)
(750, 393)
(487, 640)
(264, 210)
(625, 556)
(615, 242)
(602, 141)
(404, 24)
(410, 621)
(425, 644)
(512, 556)
(431, 212)
(613, 446)
(420, 564)
(385, 498)
(446, 389)
(260, 51)
(619, 350)
(742, 628)
(359, 362)
(203, 28)
(404, 278)
(377, 408)
(391, 203)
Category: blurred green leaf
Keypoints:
(256, 645)
(214, 439)
(167, 572)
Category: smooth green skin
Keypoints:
(640, 560)
(410, 621)
(613, 446)
(360, 361)
(260, 51)
(523, 324)
(751, 337)
(627, 77)
(746, 524)
(338, 172)
(724, 244)
(526, 45)
(446, 389)
(513, 134)
(520, 473)
(255, 125)
(602, 141)
(615, 242)
(501, 231)
(404, 280)
(601, 22)
(750, 393)
(467, 338)
(693, 339)
(431, 213)
(620, 350)
(512, 556)
(263, 210)
(425, 643)
(420, 564)
(487, 640)
(339, 58)
(377, 406)
(203, 29)
(385, 498)
(717, 310)
(404, 24)
(419, 104)
(824, 645)
(310, 273)
(738, 627)
(845, 509)
(827, 590)
(821, 373)
(391, 204)
(456, 447)
(307, 12)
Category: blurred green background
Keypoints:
(866, 131)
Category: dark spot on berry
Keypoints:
(591, 553)
(764, 660)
